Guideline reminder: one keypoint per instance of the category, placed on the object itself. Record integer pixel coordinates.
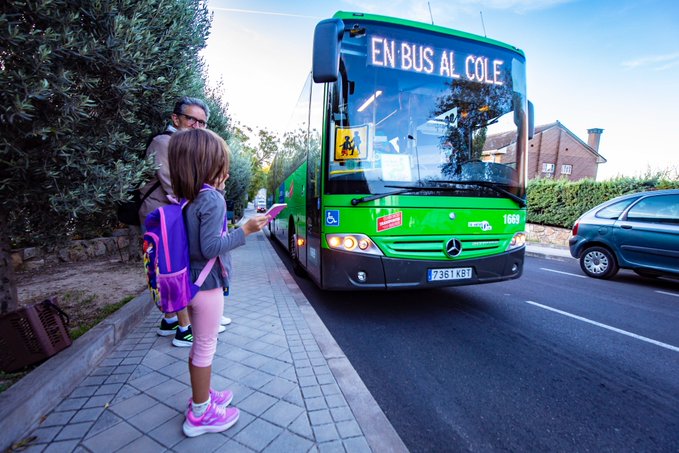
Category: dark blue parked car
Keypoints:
(638, 231)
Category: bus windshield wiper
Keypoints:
(493, 186)
(404, 189)
(377, 196)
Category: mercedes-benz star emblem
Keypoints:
(453, 247)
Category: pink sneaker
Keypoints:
(222, 398)
(215, 420)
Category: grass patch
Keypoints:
(78, 297)
(7, 379)
(78, 331)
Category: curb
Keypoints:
(549, 253)
(378, 430)
(23, 405)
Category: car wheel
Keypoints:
(598, 262)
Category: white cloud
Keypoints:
(265, 13)
(520, 6)
(655, 62)
(444, 10)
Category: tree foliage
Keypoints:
(83, 85)
(240, 171)
(268, 147)
(293, 151)
(260, 155)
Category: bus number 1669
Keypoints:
(512, 219)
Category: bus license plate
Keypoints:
(460, 273)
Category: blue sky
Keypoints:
(591, 64)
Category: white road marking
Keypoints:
(668, 294)
(561, 272)
(614, 329)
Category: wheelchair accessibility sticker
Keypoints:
(332, 217)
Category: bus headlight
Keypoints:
(519, 240)
(349, 243)
(357, 243)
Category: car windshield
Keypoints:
(404, 114)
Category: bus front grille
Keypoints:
(433, 248)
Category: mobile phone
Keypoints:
(275, 209)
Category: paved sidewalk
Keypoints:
(296, 390)
(548, 251)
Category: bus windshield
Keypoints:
(424, 109)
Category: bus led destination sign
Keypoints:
(407, 56)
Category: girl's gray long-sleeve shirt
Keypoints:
(204, 218)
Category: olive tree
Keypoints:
(82, 85)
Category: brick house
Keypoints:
(553, 152)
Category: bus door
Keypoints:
(313, 213)
(313, 193)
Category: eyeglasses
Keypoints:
(192, 120)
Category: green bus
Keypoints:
(404, 165)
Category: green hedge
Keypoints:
(560, 202)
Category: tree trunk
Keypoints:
(8, 287)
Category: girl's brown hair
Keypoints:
(196, 157)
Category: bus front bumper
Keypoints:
(353, 271)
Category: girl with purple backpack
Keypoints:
(199, 158)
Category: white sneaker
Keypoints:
(221, 329)
(225, 321)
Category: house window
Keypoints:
(566, 169)
(547, 168)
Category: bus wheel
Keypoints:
(292, 251)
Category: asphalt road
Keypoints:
(553, 361)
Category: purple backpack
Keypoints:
(166, 259)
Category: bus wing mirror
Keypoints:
(326, 51)
(531, 120)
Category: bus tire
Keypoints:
(292, 251)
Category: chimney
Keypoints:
(593, 138)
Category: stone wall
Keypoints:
(547, 235)
(116, 246)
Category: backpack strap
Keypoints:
(205, 272)
(210, 264)
(150, 191)
(165, 132)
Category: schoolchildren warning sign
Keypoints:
(351, 142)
(390, 221)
